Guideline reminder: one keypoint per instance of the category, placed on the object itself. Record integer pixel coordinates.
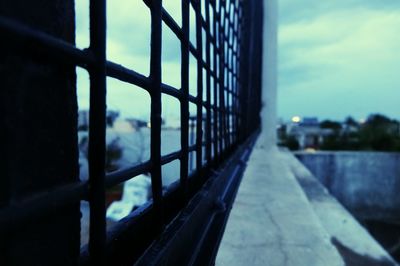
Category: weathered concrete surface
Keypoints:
(272, 222)
(355, 244)
(366, 183)
(282, 215)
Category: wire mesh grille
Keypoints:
(227, 51)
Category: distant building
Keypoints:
(308, 132)
(137, 123)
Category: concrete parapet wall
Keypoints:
(366, 183)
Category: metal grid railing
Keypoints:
(228, 34)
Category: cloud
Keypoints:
(128, 44)
(306, 10)
(340, 61)
(335, 57)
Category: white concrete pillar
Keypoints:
(269, 75)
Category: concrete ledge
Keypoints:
(355, 244)
(273, 222)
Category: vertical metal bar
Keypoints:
(229, 73)
(225, 87)
(208, 80)
(234, 73)
(239, 59)
(215, 88)
(237, 74)
(221, 88)
(155, 116)
(246, 68)
(235, 69)
(233, 77)
(97, 132)
(199, 122)
(192, 126)
(184, 101)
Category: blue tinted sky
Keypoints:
(339, 58)
(336, 57)
(128, 44)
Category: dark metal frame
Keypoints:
(232, 65)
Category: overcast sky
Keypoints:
(128, 44)
(339, 58)
(336, 57)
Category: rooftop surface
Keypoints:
(283, 216)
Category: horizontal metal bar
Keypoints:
(45, 42)
(81, 58)
(169, 90)
(127, 75)
(122, 175)
(192, 148)
(19, 213)
(171, 23)
(194, 99)
(171, 157)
